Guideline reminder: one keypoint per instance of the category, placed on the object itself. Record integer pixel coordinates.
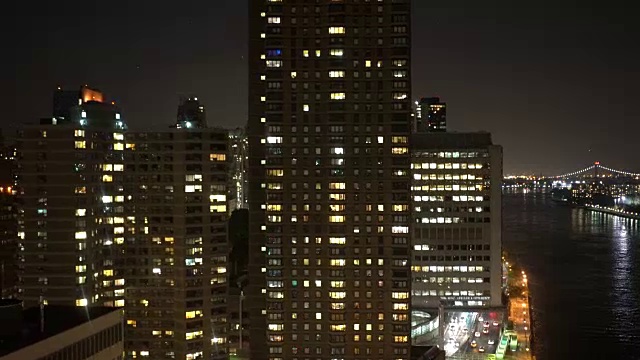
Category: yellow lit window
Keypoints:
(118, 167)
(118, 136)
(80, 144)
(337, 186)
(107, 178)
(336, 218)
(81, 190)
(336, 30)
(399, 150)
(118, 146)
(81, 302)
(81, 268)
(336, 74)
(79, 133)
(107, 273)
(119, 303)
(338, 96)
(217, 157)
(275, 172)
(218, 208)
(305, 53)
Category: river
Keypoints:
(584, 273)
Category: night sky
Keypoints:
(556, 82)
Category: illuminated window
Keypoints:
(80, 144)
(336, 218)
(118, 146)
(217, 157)
(107, 178)
(338, 96)
(274, 63)
(118, 136)
(336, 74)
(81, 302)
(81, 235)
(79, 133)
(81, 212)
(218, 208)
(81, 190)
(336, 30)
(336, 52)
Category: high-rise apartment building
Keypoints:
(457, 210)
(239, 162)
(431, 115)
(129, 219)
(8, 222)
(329, 125)
(176, 244)
(72, 219)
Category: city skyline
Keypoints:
(559, 79)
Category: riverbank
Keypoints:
(613, 211)
(519, 324)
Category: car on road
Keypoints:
(465, 330)
(486, 324)
(481, 349)
(481, 319)
(496, 323)
(485, 330)
(491, 342)
(477, 334)
(473, 343)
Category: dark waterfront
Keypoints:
(584, 271)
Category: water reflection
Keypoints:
(585, 277)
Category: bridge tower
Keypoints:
(596, 165)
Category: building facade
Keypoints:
(329, 125)
(431, 115)
(71, 223)
(239, 163)
(118, 218)
(176, 245)
(8, 223)
(457, 212)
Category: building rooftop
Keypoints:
(451, 140)
(21, 328)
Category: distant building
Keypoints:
(239, 162)
(191, 114)
(176, 243)
(60, 332)
(71, 223)
(8, 223)
(130, 219)
(457, 213)
(65, 100)
(431, 115)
